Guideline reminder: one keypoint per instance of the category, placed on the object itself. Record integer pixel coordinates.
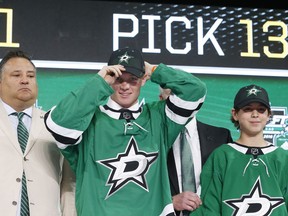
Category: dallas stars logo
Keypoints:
(253, 90)
(255, 203)
(125, 58)
(130, 166)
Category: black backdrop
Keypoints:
(279, 4)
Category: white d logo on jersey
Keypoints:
(129, 166)
(255, 203)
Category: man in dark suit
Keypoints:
(203, 139)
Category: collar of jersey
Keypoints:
(113, 109)
(244, 149)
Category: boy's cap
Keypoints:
(131, 59)
(249, 94)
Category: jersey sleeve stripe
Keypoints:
(189, 105)
(178, 118)
(176, 109)
(181, 108)
(64, 146)
(61, 134)
(168, 210)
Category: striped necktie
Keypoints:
(187, 166)
(22, 139)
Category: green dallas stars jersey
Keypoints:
(237, 180)
(120, 165)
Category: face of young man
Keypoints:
(127, 89)
(252, 118)
(18, 86)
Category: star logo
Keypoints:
(125, 58)
(129, 166)
(255, 203)
(253, 90)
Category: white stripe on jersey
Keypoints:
(62, 131)
(167, 210)
(188, 105)
(64, 146)
(174, 117)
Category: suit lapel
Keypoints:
(36, 127)
(206, 141)
(7, 128)
(172, 173)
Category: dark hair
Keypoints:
(14, 54)
(236, 123)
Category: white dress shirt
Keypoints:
(193, 139)
(14, 119)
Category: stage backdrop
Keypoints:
(226, 47)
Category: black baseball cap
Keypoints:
(249, 94)
(131, 59)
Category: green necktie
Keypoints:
(22, 139)
(187, 166)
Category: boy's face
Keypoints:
(252, 118)
(127, 89)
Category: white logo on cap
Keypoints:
(253, 90)
(125, 58)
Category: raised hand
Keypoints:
(111, 73)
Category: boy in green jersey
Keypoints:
(248, 176)
(118, 147)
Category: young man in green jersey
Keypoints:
(248, 176)
(118, 147)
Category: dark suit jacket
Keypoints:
(210, 138)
